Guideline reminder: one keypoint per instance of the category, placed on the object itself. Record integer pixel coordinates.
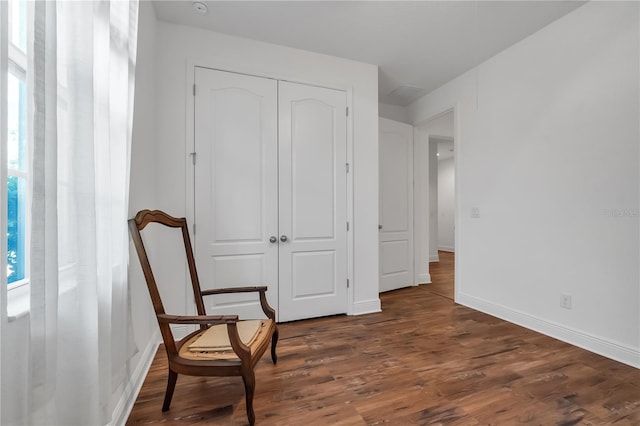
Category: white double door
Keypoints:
(270, 194)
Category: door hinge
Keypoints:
(347, 111)
(194, 229)
(194, 89)
(347, 226)
(347, 166)
(193, 157)
(347, 282)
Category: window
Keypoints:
(18, 182)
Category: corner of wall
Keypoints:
(423, 279)
(132, 387)
(367, 307)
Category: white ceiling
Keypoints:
(418, 45)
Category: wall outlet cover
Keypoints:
(565, 301)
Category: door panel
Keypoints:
(312, 154)
(236, 166)
(394, 256)
(236, 188)
(312, 170)
(313, 274)
(396, 205)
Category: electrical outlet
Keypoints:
(475, 213)
(565, 301)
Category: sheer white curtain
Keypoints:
(83, 66)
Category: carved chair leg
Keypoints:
(249, 379)
(274, 342)
(171, 385)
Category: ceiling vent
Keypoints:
(404, 95)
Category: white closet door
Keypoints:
(313, 220)
(396, 205)
(236, 188)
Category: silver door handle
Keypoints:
(273, 239)
(283, 238)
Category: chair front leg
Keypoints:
(249, 379)
(274, 343)
(171, 385)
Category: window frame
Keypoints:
(17, 66)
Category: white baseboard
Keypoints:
(434, 258)
(132, 388)
(423, 279)
(367, 307)
(601, 346)
(447, 249)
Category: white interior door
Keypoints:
(236, 188)
(313, 219)
(396, 205)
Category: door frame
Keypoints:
(421, 192)
(189, 145)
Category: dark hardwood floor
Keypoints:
(442, 275)
(422, 361)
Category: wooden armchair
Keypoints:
(230, 354)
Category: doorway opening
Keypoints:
(436, 235)
(442, 211)
(443, 275)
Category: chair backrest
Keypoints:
(137, 224)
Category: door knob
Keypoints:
(283, 238)
(273, 239)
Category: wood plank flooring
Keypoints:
(442, 275)
(422, 361)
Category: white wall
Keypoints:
(440, 126)
(394, 112)
(15, 404)
(446, 204)
(547, 149)
(182, 46)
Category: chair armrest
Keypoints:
(240, 349)
(197, 319)
(233, 290)
(266, 308)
